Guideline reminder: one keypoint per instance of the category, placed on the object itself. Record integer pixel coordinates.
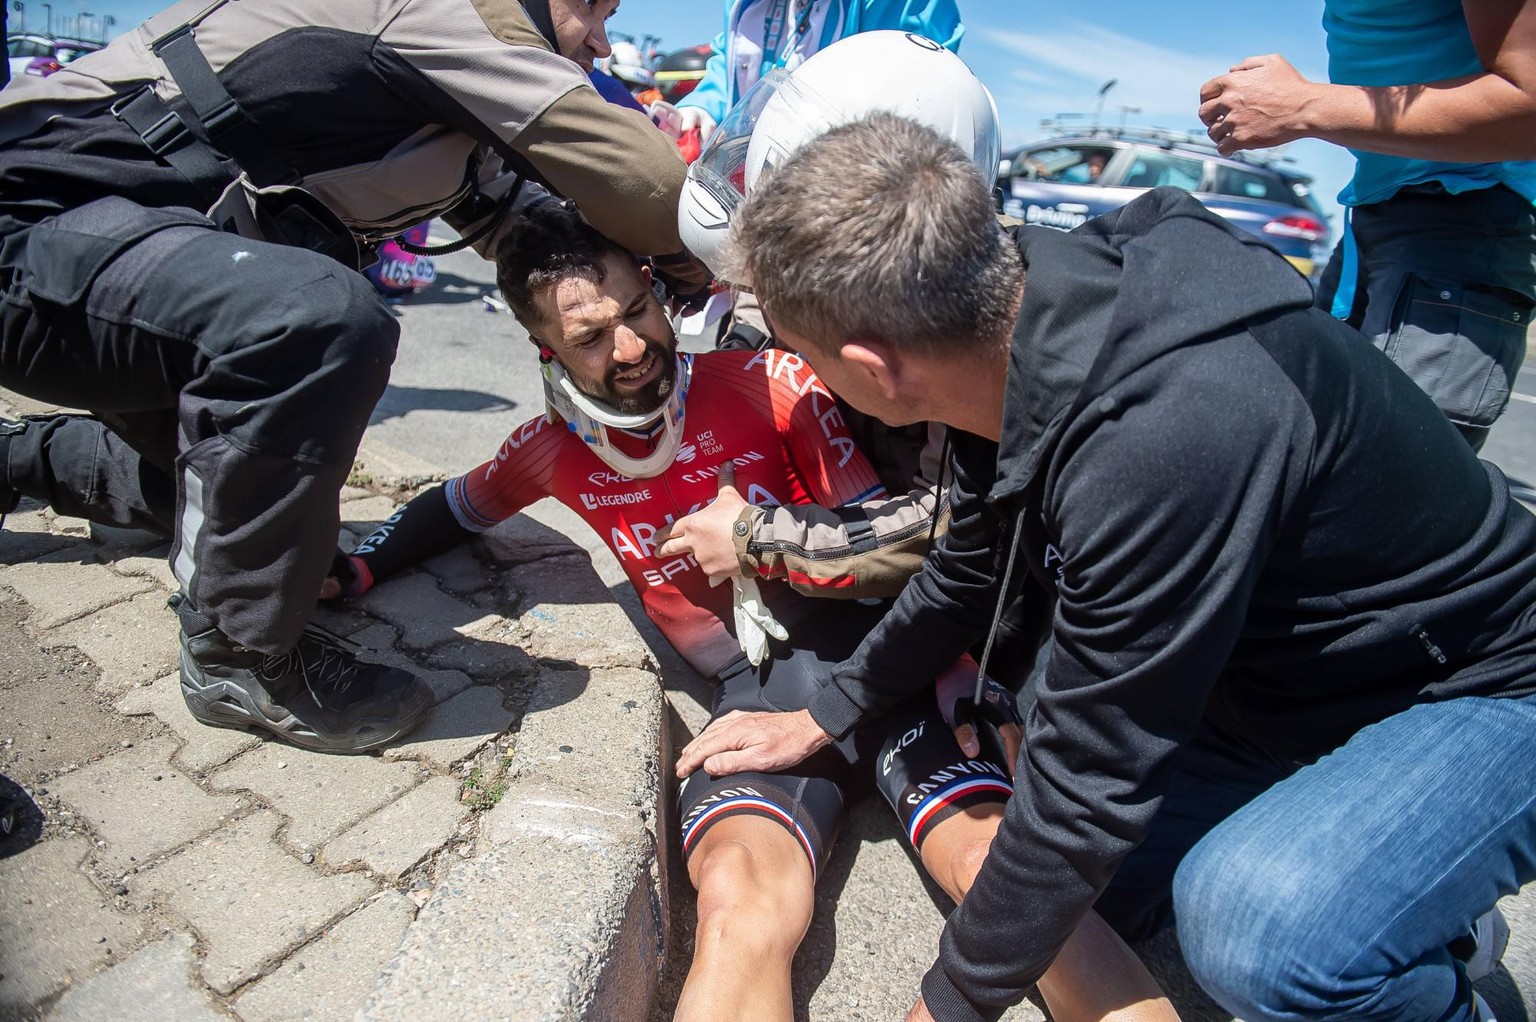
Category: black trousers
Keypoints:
(230, 382)
(1446, 287)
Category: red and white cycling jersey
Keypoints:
(766, 412)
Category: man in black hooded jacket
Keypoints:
(1291, 697)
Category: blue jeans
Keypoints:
(1331, 893)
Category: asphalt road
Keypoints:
(465, 376)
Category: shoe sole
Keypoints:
(219, 704)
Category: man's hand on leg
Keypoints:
(752, 741)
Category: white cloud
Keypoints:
(1080, 57)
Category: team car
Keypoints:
(1064, 181)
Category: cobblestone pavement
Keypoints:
(500, 862)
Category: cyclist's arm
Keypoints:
(423, 528)
(458, 510)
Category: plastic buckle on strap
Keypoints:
(165, 134)
(225, 116)
(162, 134)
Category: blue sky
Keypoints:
(1044, 59)
(1041, 59)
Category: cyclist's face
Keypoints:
(612, 336)
(580, 28)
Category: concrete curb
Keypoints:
(192, 872)
(562, 912)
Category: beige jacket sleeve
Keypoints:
(623, 173)
(868, 550)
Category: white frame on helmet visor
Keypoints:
(716, 182)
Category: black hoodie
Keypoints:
(1250, 518)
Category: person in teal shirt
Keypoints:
(761, 35)
(1437, 101)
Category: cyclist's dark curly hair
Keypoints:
(548, 242)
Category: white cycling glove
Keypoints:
(754, 621)
(677, 120)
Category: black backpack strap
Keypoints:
(169, 138)
(226, 125)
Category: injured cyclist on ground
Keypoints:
(623, 404)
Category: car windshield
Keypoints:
(1247, 183)
(25, 47)
(1157, 169)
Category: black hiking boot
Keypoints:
(9, 496)
(318, 695)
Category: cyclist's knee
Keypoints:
(751, 895)
(955, 849)
(965, 861)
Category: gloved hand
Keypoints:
(349, 579)
(955, 691)
(678, 120)
(754, 621)
(666, 117)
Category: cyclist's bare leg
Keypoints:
(1095, 976)
(756, 892)
(955, 848)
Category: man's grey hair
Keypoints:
(879, 229)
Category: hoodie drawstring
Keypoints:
(1002, 601)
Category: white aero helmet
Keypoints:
(870, 72)
(591, 419)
